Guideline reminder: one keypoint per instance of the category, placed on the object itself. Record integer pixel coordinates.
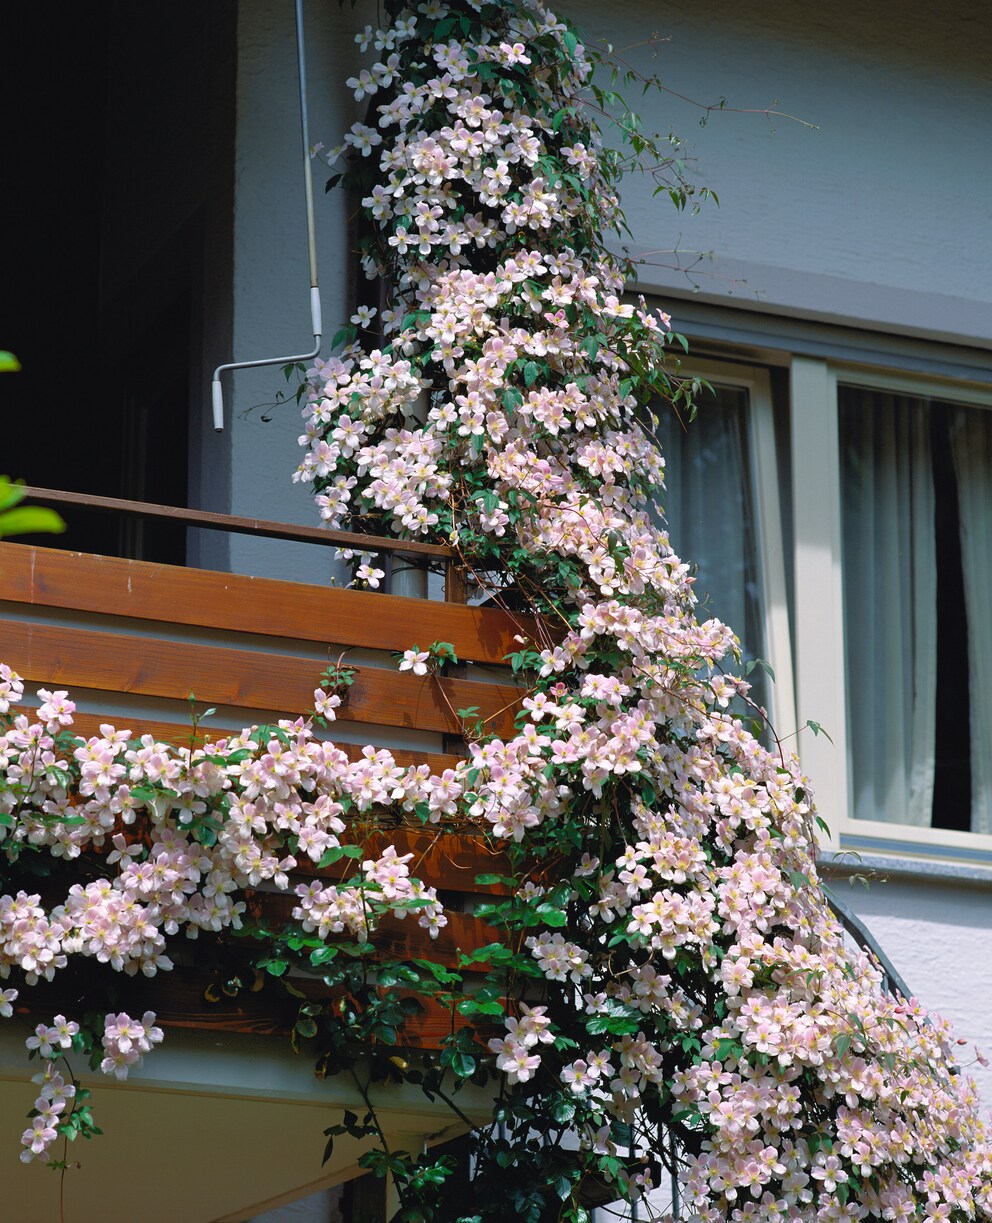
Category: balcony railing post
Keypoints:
(454, 582)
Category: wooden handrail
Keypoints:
(248, 526)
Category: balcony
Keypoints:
(139, 644)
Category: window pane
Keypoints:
(709, 508)
(917, 569)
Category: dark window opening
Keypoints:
(952, 773)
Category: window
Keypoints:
(892, 515)
(724, 517)
(916, 498)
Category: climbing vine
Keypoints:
(670, 991)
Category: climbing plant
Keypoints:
(669, 988)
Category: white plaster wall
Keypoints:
(938, 935)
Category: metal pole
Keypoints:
(217, 392)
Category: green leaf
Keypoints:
(345, 336)
(306, 1025)
(615, 1025)
(440, 974)
(9, 364)
(144, 794)
(462, 1064)
(337, 852)
(27, 519)
(469, 1006)
(532, 371)
(765, 666)
(817, 729)
(551, 915)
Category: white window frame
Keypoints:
(820, 674)
(762, 448)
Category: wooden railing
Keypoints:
(151, 662)
(454, 584)
(132, 639)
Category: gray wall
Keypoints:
(271, 313)
(885, 205)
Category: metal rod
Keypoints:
(676, 1196)
(634, 1214)
(217, 391)
(866, 941)
(301, 59)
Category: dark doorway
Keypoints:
(117, 155)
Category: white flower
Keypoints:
(415, 660)
(370, 576)
(364, 315)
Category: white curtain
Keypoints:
(708, 506)
(890, 604)
(971, 448)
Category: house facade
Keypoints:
(838, 301)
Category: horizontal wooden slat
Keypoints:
(179, 1000)
(87, 724)
(253, 680)
(394, 938)
(261, 1016)
(184, 1006)
(448, 861)
(49, 577)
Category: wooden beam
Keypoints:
(178, 734)
(149, 666)
(50, 577)
(180, 1000)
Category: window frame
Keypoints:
(771, 558)
(820, 664)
